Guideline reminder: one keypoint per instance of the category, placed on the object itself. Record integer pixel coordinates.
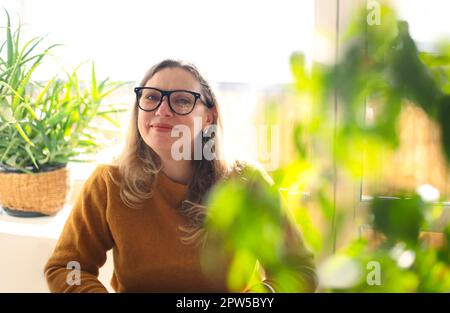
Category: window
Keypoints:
(242, 48)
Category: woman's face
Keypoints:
(159, 138)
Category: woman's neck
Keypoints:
(178, 171)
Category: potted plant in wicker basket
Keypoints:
(42, 127)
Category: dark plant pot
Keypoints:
(18, 213)
(44, 168)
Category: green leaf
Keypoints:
(30, 154)
(399, 219)
(22, 133)
(9, 40)
(94, 90)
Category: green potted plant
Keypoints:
(43, 126)
(399, 244)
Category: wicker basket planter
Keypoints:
(36, 194)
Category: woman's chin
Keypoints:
(161, 147)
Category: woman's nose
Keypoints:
(164, 108)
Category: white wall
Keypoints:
(25, 246)
(22, 262)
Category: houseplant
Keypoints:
(42, 126)
(382, 65)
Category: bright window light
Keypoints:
(428, 20)
(230, 41)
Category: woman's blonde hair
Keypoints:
(139, 164)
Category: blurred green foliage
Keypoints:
(381, 64)
(400, 219)
(254, 234)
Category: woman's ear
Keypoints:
(210, 116)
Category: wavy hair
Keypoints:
(139, 164)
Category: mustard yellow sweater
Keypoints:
(148, 253)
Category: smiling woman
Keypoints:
(150, 208)
(213, 35)
(159, 116)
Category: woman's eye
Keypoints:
(183, 102)
(152, 98)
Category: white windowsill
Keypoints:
(42, 227)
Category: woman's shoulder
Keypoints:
(102, 169)
(104, 174)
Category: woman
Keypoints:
(149, 207)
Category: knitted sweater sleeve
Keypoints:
(85, 239)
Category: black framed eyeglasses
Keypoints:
(181, 102)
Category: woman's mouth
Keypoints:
(161, 127)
